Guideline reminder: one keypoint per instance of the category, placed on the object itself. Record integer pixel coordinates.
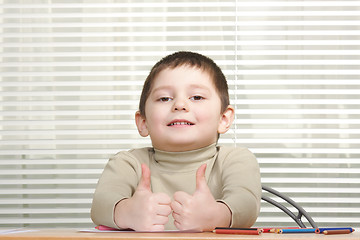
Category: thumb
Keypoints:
(145, 180)
(200, 178)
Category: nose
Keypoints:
(180, 106)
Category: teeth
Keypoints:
(180, 123)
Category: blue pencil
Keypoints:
(299, 230)
(321, 230)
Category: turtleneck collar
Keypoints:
(184, 161)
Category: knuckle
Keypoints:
(168, 210)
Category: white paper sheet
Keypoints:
(129, 231)
(15, 230)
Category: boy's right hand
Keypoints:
(145, 210)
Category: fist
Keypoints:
(192, 211)
(145, 210)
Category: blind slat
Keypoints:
(72, 73)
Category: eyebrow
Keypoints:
(199, 86)
(192, 86)
(167, 87)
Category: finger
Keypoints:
(200, 178)
(182, 197)
(162, 198)
(176, 217)
(145, 180)
(178, 225)
(157, 228)
(176, 207)
(163, 210)
(160, 220)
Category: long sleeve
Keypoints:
(233, 178)
(118, 181)
(241, 185)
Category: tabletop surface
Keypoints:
(57, 234)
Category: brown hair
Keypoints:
(190, 59)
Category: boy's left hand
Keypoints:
(199, 211)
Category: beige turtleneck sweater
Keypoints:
(232, 175)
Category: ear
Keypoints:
(226, 119)
(141, 124)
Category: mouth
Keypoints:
(180, 123)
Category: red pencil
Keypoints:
(105, 228)
(237, 231)
(328, 232)
(274, 229)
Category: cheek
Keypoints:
(208, 113)
(154, 117)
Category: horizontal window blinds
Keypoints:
(72, 73)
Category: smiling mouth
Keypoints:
(180, 123)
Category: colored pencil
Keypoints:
(230, 228)
(320, 230)
(299, 230)
(105, 228)
(275, 229)
(243, 231)
(328, 232)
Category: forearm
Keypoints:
(242, 187)
(221, 217)
(120, 214)
(102, 210)
(244, 208)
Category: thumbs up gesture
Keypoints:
(145, 210)
(199, 211)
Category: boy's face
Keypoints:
(183, 111)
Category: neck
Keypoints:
(179, 148)
(185, 160)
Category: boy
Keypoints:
(184, 181)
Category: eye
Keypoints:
(164, 99)
(197, 98)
